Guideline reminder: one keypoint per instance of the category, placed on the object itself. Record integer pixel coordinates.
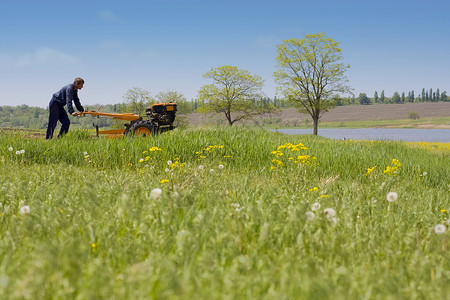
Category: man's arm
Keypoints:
(69, 98)
(77, 102)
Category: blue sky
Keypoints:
(168, 45)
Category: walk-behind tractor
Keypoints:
(160, 119)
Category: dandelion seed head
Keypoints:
(315, 206)
(391, 196)
(333, 221)
(439, 229)
(85, 153)
(201, 167)
(17, 152)
(24, 210)
(22, 151)
(169, 162)
(10, 149)
(221, 167)
(155, 194)
(310, 216)
(329, 212)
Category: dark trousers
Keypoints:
(57, 113)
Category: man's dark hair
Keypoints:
(78, 80)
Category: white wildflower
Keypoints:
(155, 194)
(85, 153)
(333, 221)
(221, 167)
(24, 210)
(17, 152)
(167, 170)
(201, 167)
(315, 206)
(10, 149)
(392, 196)
(329, 212)
(211, 170)
(310, 216)
(440, 229)
(169, 162)
(22, 151)
(424, 174)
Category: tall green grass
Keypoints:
(230, 223)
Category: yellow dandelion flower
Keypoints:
(370, 170)
(314, 189)
(164, 181)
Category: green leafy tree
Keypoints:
(438, 95)
(382, 98)
(444, 96)
(137, 100)
(183, 105)
(411, 96)
(234, 92)
(375, 97)
(424, 97)
(363, 99)
(403, 97)
(396, 98)
(310, 73)
(430, 95)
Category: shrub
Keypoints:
(413, 115)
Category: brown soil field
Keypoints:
(351, 113)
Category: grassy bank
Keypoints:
(237, 217)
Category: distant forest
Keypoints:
(24, 116)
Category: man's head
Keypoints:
(78, 83)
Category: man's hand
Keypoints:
(75, 114)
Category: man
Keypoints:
(64, 96)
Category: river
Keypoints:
(380, 134)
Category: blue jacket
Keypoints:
(66, 95)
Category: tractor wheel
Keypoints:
(141, 128)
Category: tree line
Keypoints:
(425, 96)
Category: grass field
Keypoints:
(222, 213)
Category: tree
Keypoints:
(311, 73)
(382, 98)
(396, 98)
(137, 100)
(363, 99)
(183, 105)
(234, 92)
(375, 97)
(403, 97)
(424, 98)
(430, 95)
(444, 96)
(411, 96)
(438, 95)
